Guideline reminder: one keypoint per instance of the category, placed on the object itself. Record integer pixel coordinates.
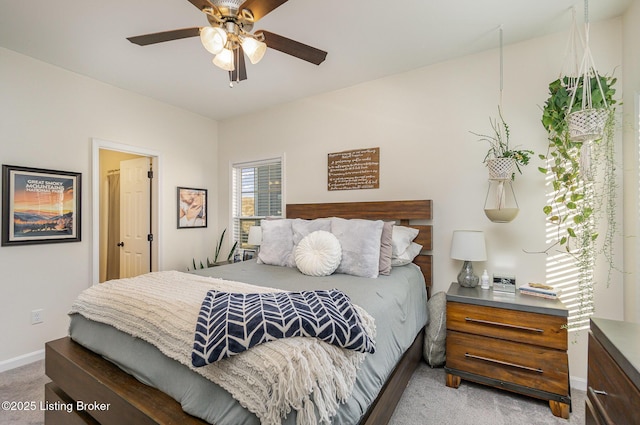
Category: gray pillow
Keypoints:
(360, 241)
(302, 228)
(386, 248)
(276, 248)
(436, 331)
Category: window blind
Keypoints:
(256, 194)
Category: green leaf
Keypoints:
(547, 209)
(571, 232)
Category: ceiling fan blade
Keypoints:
(240, 71)
(293, 48)
(260, 8)
(200, 4)
(160, 37)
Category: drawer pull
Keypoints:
(593, 396)
(599, 392)
(500, 362)
(504, 325)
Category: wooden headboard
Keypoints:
(400, 211)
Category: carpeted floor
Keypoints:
(426, 401)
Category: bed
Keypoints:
(117, 390)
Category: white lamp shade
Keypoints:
(224, 60)
(255, 235)
(213, 39)
(254, 49)
(468, 245)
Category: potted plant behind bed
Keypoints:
(502, 160)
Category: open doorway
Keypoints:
(126, 213)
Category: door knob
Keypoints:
(120, 243)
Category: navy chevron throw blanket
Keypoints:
(230, 323)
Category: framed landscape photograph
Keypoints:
(192, 208)
(40, 206)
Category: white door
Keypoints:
(135, 217)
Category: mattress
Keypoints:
(397, 302)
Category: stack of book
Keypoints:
(540, 290)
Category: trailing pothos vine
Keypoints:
(582, 176)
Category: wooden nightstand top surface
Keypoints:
(510, 301)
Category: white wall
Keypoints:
(48, 117)
(631, 72)
(421, 120)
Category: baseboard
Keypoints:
(21, 360)
(578, 383)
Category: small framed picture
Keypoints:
(248, 254)
(40, 206)
(192, 208)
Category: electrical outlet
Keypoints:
(37, 316)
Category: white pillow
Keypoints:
(318, 254)
(407, 256)
(401, 239)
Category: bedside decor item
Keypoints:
(504, 283)
(502, 160)
(577, 203)
(587, 123)
(255, 236)
(192, 207)
(40, 206)
(468, 246)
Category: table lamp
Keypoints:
(468, 246)
(255, 236)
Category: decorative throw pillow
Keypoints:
(257, 318)
(302, 228)
(401, 238)
(360, 242)
(276, 248)
(436, 331)
(407, 256)
(318, 254)
(386, 248)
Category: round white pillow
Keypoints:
(318, 254)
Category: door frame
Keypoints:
(156, 251)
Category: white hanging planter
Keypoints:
(587, 124)
(501, 168)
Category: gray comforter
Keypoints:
(397, 303)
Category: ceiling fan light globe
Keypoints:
(254, 49)
(213, 39)
(224, 60)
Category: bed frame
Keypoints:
(78, 374)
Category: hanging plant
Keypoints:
(574, 201)
(499, 149)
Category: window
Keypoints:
(256, 194)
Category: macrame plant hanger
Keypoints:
(501, 174)
(587, 123)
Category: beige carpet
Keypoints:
(426, 401)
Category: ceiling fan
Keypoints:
(229, 35)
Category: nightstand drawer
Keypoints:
(531, 328)
(522, 364)
(609, 390)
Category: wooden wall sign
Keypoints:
(355, 169)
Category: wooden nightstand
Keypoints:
(509, 341)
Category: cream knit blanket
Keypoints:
(269, 380)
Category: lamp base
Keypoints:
(466, 277)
